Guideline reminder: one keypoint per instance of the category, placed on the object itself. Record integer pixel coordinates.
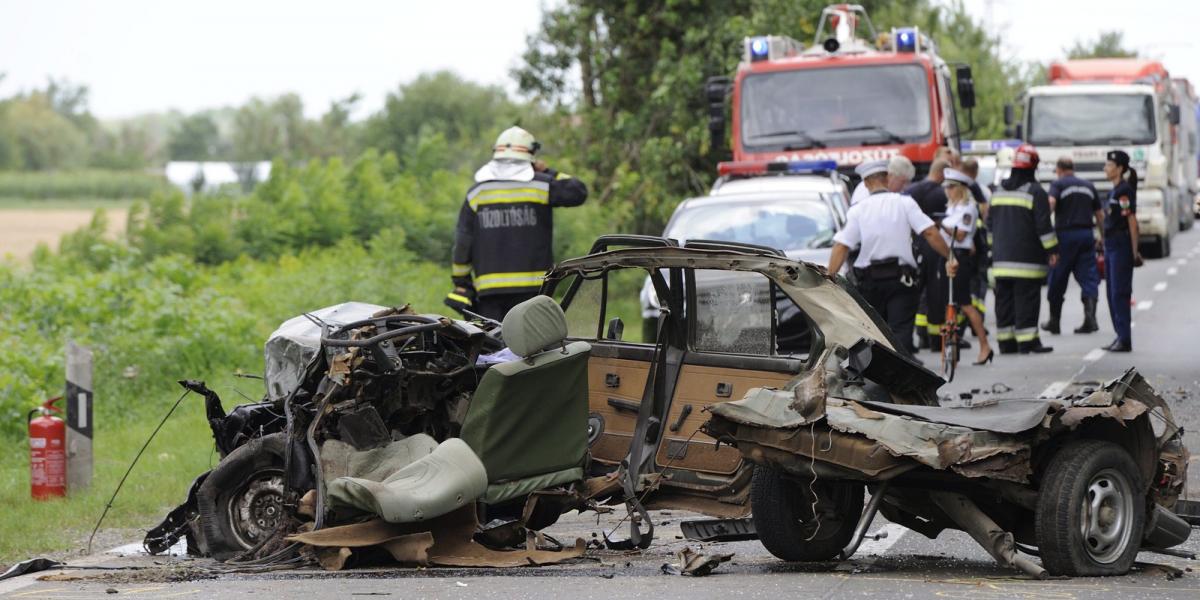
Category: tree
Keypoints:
(467, 115)
(268, 129)
(196, 137)
(1109, 44)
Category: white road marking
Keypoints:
(1172, 270)
(1095, 355)
(1160, 286)
(1054, 390)
(1145, 304)
(878, 547)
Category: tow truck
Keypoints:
(844, 98)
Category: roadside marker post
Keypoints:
(80, 422)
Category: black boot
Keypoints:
(1034, 347)
(1051, 324)
(1089, 317)
(1007, 346)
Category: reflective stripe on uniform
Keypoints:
(1019, 270)
(509, 192)
(920, 320)
(1026, 335)
(493, 281)
(561, 176)
(460, 270)
(459, 298)
(1049, 240)
(1005, 334)
(979, 304)
(933, 328)
(1012, 198)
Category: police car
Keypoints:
(792, 207)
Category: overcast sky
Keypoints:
(151, 55)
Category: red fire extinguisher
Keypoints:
(47, 452)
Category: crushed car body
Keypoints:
(758, 386)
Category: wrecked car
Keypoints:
(762, 383)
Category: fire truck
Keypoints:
(1091, 106)
(845, 98)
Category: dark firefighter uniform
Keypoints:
(1022, 241)
(504, 241)
(930, 196)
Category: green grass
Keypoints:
(83, 183)
(63, 204)
(182, 450)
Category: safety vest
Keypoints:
(1020, 233)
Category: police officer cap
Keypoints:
(874, 167)
(956, 176)
(1119, 157)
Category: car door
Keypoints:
(734, 345)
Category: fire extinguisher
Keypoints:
(47, 452)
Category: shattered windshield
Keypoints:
(1091, 119)
(795, 222)
(841, 106)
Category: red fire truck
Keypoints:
(845, 98)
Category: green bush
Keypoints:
(81, 184)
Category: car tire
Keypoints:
(1090, 511)
(242, 500)
(783, 515)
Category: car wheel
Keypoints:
(783, 515)
(242, 501)
(1090, 510)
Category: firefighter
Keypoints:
(882, 225)
(1121, 253)
(503, 242)
(1023, 246)
(1076, 212)
(932, 199)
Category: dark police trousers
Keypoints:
(1077, 255)
(1118, 265)
(1018, 301)
(895, 302)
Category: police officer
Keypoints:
(1121, 253)
(882, 225)
(1023, 244)
(1076, 212)
(957, 228)
(503, 242)
(981, 257)
(900, 172)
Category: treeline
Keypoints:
(52, 129)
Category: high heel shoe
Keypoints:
(987, 359)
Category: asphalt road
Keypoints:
(902, 565)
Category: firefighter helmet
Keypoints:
(515, 143)
(1025, 157)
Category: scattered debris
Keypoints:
(32, 565)
(695, 564)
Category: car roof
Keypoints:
(777, 183)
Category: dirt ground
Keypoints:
(22, 229)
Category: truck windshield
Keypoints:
(1091, 119)
(842, 106)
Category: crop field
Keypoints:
(25, 225)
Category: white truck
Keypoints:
(1092, 106)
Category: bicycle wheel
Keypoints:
(949, 350)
